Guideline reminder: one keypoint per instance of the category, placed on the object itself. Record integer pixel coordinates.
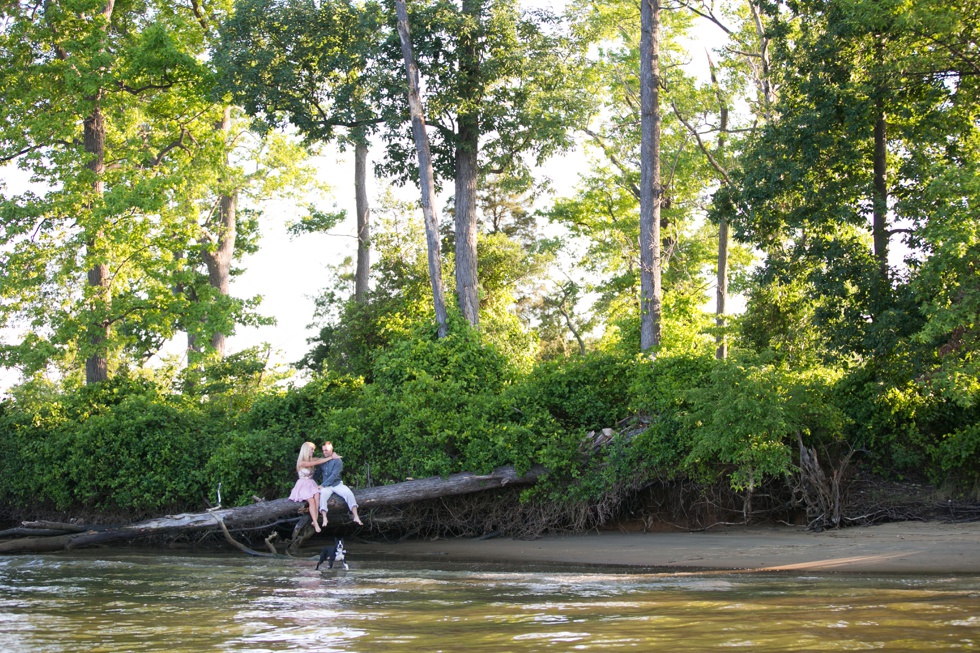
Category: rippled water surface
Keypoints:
(138, 601)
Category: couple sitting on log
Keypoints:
(317, 495)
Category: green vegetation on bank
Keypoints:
(438, 406)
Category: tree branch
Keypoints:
(11, 157)
(614, 159)
(711, 159)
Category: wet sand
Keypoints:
(906, 547)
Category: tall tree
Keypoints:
(606, 207)
(98, 114)
(309, 65)
(651, 191)
(501, 93)
(743, 77)
(111, 113)
(218, 251)
(426, 181)
(829, 178)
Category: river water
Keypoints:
(177, 601)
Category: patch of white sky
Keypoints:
(290, 272)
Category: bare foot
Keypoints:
(358, 521)
(324, 520)
(316, 526)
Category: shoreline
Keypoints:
(898, 547)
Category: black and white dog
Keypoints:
(333, 553)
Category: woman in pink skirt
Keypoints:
(306, 488)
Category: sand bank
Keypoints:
(906, 547)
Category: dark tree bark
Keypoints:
(363, 269)
(425, 170)
(218, 260)
(93, 138)
(880, 202)
(467, 166)
(651, 191)
(270, 512)
(721, 304)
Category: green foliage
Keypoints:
(744, 423)
(439, 406)
(855, 78)
(959, 457)
(254, 462)
(120, 448)
(110, 115)
(838, 346)
(582, 392)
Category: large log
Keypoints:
(269, 512)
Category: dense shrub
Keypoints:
(117, 447)
(439, 406)
(582, 392)
(259, 462)
(743, 424)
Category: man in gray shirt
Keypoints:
(330, 483)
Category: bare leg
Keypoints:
(357, 520)
(314, 505)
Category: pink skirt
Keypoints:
(304, 490)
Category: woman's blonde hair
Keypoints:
(305, 453)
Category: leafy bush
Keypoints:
(958, 456)
(743, 424)
(118, 446)
(438, 406)
(259, 462)
(582, 392)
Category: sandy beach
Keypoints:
(906, 547)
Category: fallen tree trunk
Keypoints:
(269, 512)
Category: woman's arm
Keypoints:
(312, 463)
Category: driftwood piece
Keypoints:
(823, 493)
(30, 532)
(57, 526)
(268, 512)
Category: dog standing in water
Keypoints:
(333, 553)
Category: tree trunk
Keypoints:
(93, 138)
(97, 365)
(763, 78)
(363, 270)
(425, 170)
(651, 192)
(467, 288)
(219, 260)
(269, 512)
(721, 353)
(880, 201)
(467, 165)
